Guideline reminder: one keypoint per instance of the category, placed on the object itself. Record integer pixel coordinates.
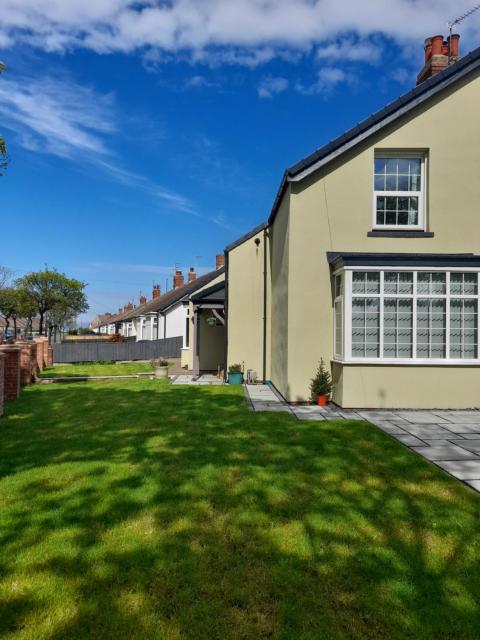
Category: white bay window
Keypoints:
(406, 315)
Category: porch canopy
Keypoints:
(209, 329)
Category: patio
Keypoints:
(449, 439)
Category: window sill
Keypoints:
(409, 363)
(392, 233)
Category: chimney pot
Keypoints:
(192, 276)
(178, 279)
(437, 42)
(220, 260)
(439, 54)
(453, 45)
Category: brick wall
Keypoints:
(39, 343)
(42, 352)
(28, 362)
(11, 372)
(2, 366)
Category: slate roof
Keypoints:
(213, 294)
(168, 299)
(247, 236)
(359, 259)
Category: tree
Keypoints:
(10, 307)
(5, 276)
(54, 295)
(3, 146)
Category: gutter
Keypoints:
(225, 311)
(265, 264)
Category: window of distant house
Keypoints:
(399, 192)
(408, 315)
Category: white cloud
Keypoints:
(63, 118)
(241, 32)
(350, 50)
(327, 79)
(200, 82)
(74, 122)
(271, 85)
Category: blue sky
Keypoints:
(145, 135)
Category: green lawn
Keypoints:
(96, 369)
(132, 510)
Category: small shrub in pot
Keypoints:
(321, 385)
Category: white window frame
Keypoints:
(422, 200)
(339, 299)
(347, 315)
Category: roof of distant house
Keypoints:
(168, 299)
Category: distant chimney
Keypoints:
(192, 275)
(439, 54)
(178, 279)
(143, 299)
(129, 306)
(120, 309)
(220, 260)
(156, 291)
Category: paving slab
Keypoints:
(389, 427)
(470, 445)
(459, 416)
(475, 484)
(372, 416)
(270, 406)
(420, 417)
(474, 435)
(461, 427)
(433, 432)
(410, 441)
(461, 469)
(445, 452)
(308, 413)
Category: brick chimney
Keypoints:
(219, 260)
(142, 299)
(192, 276)
(156, 291)
(439, 54)
(178, 279)
(129, 306)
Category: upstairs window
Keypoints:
(399, 188)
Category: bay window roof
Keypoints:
(337, 260)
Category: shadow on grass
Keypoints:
(141, 510)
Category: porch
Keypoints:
(209, 338)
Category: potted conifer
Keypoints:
(321, 385)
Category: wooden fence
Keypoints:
(97, 351)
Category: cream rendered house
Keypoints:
(370, 258)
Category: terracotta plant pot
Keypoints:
(322, 401)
